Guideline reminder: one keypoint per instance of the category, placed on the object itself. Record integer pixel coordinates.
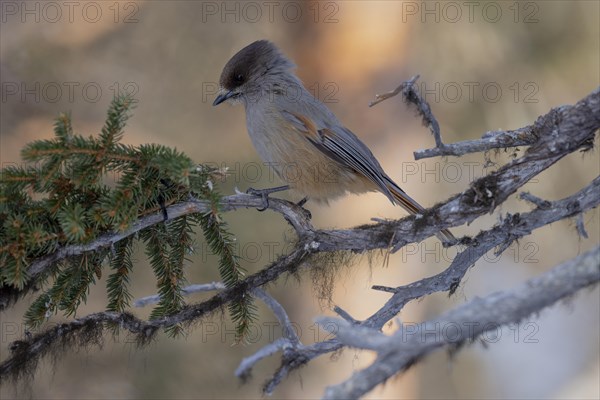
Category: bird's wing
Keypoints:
(341, 145)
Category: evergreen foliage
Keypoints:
(75, 189)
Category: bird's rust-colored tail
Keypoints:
(410, 205)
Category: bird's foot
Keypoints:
(264, 194)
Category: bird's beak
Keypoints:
(222, 96)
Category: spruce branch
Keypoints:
(243, 310)
(118, 282)
(78, 207)
(66, 200)
(169, 275)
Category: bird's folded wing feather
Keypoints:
(341, 145)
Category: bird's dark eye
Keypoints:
(239, 78)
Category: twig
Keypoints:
(205, 287)
(289, 341)
(412, 97)
(288, 330)
(581, 227)
(344, 314)
(490, 140)
(382, 97)
(535, 200)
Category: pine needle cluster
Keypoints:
(74, 189)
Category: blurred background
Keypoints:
(483, 66)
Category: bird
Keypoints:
(298, 136)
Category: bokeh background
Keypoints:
(483, 66)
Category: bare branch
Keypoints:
(513, 227)
(520, 137)
(397, 352)
(510, 229)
